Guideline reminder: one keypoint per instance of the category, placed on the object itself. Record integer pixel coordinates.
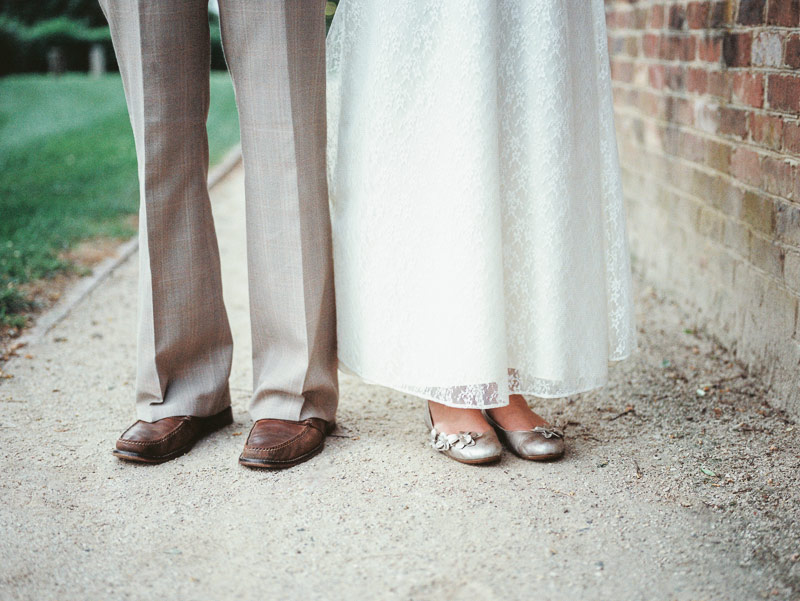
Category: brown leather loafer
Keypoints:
(280, 443)
(165, 439)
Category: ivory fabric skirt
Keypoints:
(479, 231)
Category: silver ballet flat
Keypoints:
(465, 447)
(542, 443)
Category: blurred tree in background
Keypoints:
(30, 29)
(28, 12)
(24, 48)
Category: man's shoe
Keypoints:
(281, 443)
(165, 439)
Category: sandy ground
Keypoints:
(681, 482)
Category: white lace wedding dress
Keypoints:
(479, 230)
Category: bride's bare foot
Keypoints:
(451, 420)
(516, 415)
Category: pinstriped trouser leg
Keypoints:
(276, 54)
(184, 340)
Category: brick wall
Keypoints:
(707, 97)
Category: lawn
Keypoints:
(68, 171)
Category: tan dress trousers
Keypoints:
(275, 51)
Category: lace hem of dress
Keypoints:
(490, 395)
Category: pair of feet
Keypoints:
(514, 416)
(271, 444)
(277, 443)
(473, 436)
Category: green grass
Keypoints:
(68, 171)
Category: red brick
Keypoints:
(649, 103)
(625, 19)
(717, 191)
(698, 183)
(677, 16)
(697, 15)
(751, 12)
(696, 81)
(621, 70)
(783, 93)
(709, 49)
(640, 73)
(656, 20)
(767, 255)
(677, 47)
(778, 176)
(748, 88)
(617, 19)
(631, 46)
(785, 13)
(766, 130)
(667, 47)
(688, 49)
(737, 48)
(737, 237)
(720, 84)
(615, 44)
(791, 137)
(671, 140)
(746, 166)
(610, 12)
(640, 17)
(656, 77)
(678, 110)
(642, 14)
(651, 45)
(692, 147)
(710, 224)
(721, 15)
(675, 76)
(718, 155)
(732, 122)
(792, 56)
(758, 211)
(620, 96)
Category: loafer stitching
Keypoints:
(154, 442)
(280, 446)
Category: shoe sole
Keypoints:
(280, 465)
(550, 457)
(215, 422)
(485, 461)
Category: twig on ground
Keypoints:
(628, 409)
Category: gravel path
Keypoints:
(681, 482)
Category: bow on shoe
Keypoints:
(548, 432)
(444, 442)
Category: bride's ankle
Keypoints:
(517, 415)
(457, 419)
